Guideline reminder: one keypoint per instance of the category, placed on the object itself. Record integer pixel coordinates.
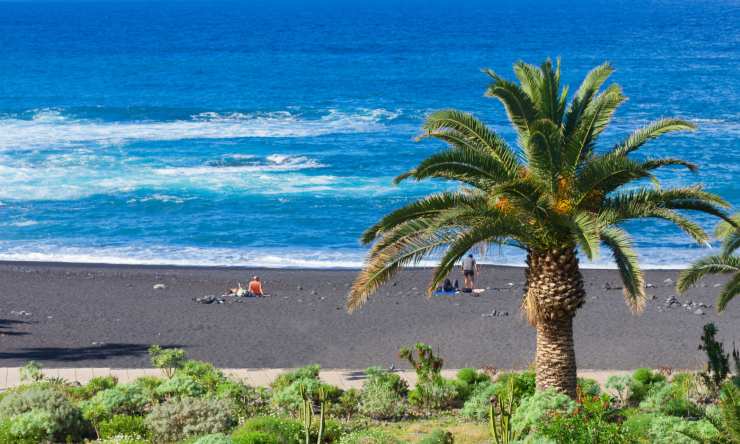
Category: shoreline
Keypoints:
(166, 266)
(81, 315)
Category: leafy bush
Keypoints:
(619, 387)
(382, 395)
(41, 412)
(257, 438)
(437, 394)
(669, 399)
(122, 425)
(31, 372)
(372, 436)
(283, 431)
(588, 387)
(438, 436)
(95, 385)
(287, 389)
(123, 399)
(185, 417)
(468, 379)
(285, 379)
(214, 438)
(477, 405)
(147, 386)
(348, 404)
(580, 428)
(167, 359)
(672, 430)
(204, 373)
(642, 381)
(180, 385)
(533, 410)
(247, 401)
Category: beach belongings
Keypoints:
(445, 293)
(208, 299)
(159, 287)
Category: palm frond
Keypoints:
(519, 107)
(445, 124)
(588, 89)
(705, 266)
(728, 226)
(731, 243)
(587, 230)
(620, 244)
(463, 165)
(493, 231)
(427, 206)
(543, 152)
(647, 133)
(728, 293)
(654, 164)
(384, 264)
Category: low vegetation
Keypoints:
(195, 403)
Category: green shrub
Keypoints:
(257, 438)
(589, 387)
(579, 428)
(214, 438)
(382, 395)
(372, 436)
(180, 385)
(285, 431)
(533, 410)
(642, 381)
(478, 404)
(123, 399)
(248, 401)
(287, 389)
(122, 425)
(468, 379)
(147, 386)
(671, 430)
(95, 385)
(669, 399)
(619, 387)
(167, 359)
(285, 379)
(437, 394)
(348, 404)
(438, 436)
(41, 410)
(31, 372)
(185, 417)
(204, 373)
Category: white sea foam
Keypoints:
(52, 129)
(650, 259)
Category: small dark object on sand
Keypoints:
(208, 299)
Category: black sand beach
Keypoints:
(64, 315)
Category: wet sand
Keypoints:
(68, 315)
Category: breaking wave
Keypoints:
(52, 128)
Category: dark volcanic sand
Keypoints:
(106, 316)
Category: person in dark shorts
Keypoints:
(469, 269)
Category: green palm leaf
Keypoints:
(645, 134)
(620, 244)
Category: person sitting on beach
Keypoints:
(255, 286)
(448, 287)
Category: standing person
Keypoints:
(255, 286)
(469, 269)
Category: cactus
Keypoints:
(307, 414)
(427, 365)
(499, 415)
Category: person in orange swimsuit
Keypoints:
(255, 286)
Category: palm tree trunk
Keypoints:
(555, 357)
(553, 294)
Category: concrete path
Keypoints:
(342, 378)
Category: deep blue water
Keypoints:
(268, 133)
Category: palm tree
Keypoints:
(552, 196)
(725, 262)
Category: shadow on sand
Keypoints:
(72, 354)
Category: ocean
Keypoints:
(268, 133)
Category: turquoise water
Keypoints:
(256, 133)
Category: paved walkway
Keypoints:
(343, 378)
